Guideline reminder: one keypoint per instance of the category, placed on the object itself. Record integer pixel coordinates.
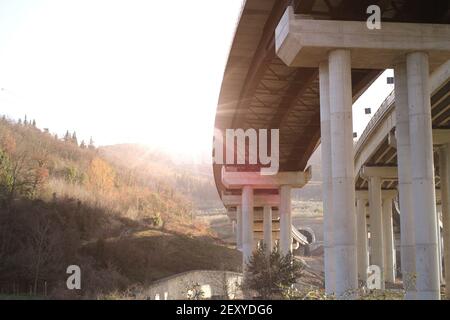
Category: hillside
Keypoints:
(194, 180)
(113, 211)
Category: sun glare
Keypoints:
(120, 71)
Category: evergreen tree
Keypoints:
(25, 121)
(74, 138)
(91, 144)
(82, 145)
(34, 123)
(271, 275)
(67, 136)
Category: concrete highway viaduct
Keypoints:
(298, 66)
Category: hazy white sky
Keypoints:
(123, 71)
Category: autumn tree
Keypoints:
(5, 175)
(8, 142)
(39, 171)
(100, 175)
(23, 170)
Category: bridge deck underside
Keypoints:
(259, 91)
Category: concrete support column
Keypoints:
(327, 188)
(424, 205)
(361, 222)
(444, 172)
(247, 224)
(407, 240)
(376, 226)
(343, 176)
(239, 227)
(388, 240)
(285, 220)
(268, 228)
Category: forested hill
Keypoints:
(63, 202)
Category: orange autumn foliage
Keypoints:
(101, 175)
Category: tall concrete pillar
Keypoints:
(444, 172)
(343, 176)
(376, 226)
(388, 240)
(285, 220)
(268, 228)
(327, 188)
(361, 222)
(424, 206)
(239, 227)
(247, 224)
(407, 240)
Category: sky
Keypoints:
(125, 71)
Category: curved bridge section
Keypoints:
(378, 174)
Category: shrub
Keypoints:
(270, 276)
(157, 220)
(71, 175)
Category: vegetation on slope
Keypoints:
(62, 203)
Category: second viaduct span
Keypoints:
(298, 66)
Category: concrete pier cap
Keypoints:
(303, 42)
(237, 180)
(232, 200)
(384, 173)
(385, 194)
